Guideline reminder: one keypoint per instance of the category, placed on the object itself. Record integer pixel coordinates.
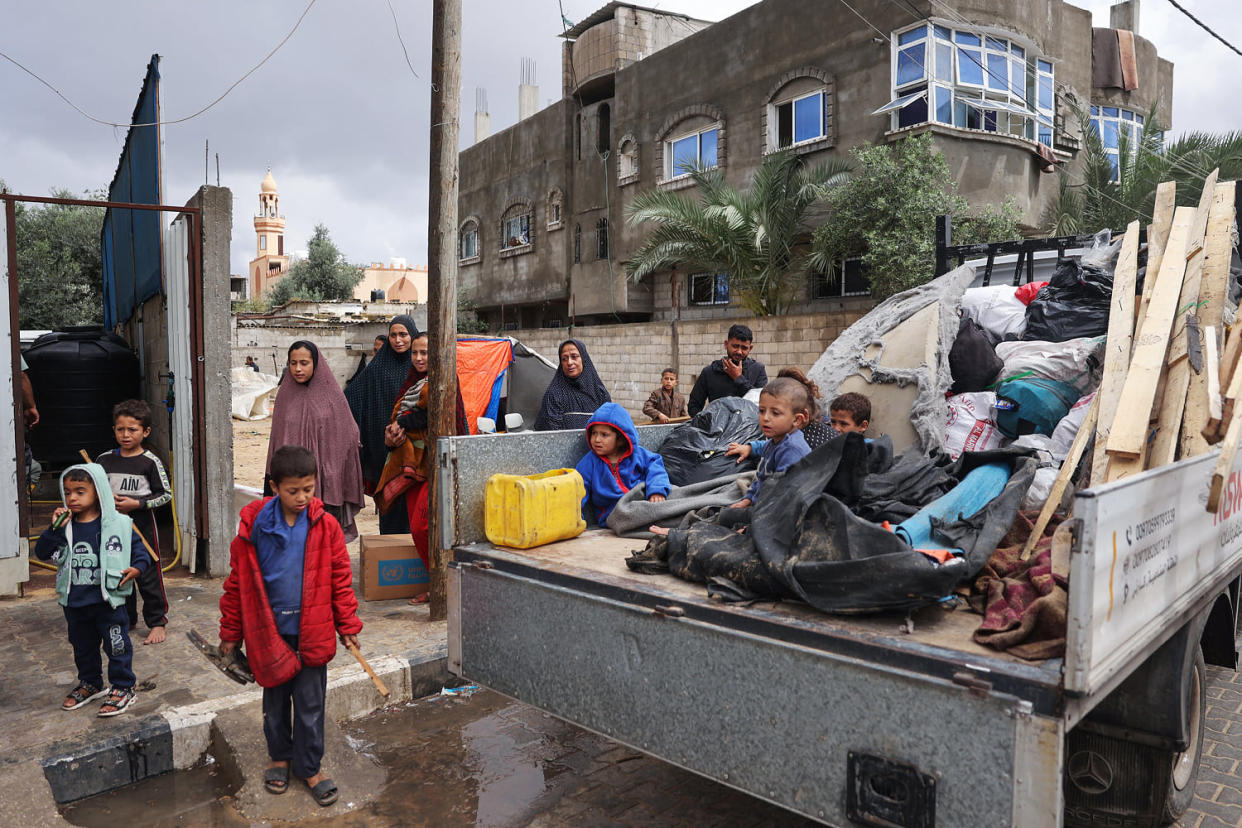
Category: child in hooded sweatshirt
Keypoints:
(98, 555)
(617, 463)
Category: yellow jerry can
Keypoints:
(531, 510)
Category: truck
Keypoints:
(888, 719)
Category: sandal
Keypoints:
(80, 695)
(421, 598)
(118, 699)
(325, 793)
(276, 779)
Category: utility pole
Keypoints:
(442, 269)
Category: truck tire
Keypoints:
(1185, 764)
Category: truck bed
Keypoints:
(940, 643)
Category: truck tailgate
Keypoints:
(819, 715)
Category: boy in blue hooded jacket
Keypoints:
(617, 463)
(98, 555)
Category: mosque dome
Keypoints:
(269, 183)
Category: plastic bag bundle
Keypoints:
(1074, 304)
(997, 309)
(1077, 362)
(971, 426)
(695, 452)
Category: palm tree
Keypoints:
(752, 235)
(1104, 197)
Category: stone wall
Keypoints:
(629, 358)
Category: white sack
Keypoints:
(1041, 487)
(971, 425)
(1067, 429)
(997, 309)
(1078, 362)
(253, 394)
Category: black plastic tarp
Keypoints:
(695, 452)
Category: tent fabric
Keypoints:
(804, 541)
(481, 364)
(528, 379)
(130, 240)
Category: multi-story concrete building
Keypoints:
(544, 235)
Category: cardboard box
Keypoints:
(389, 567)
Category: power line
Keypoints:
(397, 27)
(1203, 25)
(222, 96)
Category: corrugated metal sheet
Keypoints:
(180, 365)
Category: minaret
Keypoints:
(270, 261)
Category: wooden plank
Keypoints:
(1164, 442)
(1224, 463)
(1214, 285)
(1205, 196)
(1211, 368)
(1063, 477)
(1129, 429)
(1189, 298)
(1116, 348)
(1231, 404)
(1157, 237)
(1229, 359)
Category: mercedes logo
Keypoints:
(1090, 772)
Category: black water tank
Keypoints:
(78, 374)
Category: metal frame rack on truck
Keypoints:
(880, 719)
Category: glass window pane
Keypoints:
(944, 62)
(1138, 119)
(1110, 135)
(968, 38)
(1095, 110)
(1044, 93)
(1045, 135)
(910, 62)
(943, 32)
(1095, 125)
(914, 113)
(808, 118)
(969, 66)
(685, 153)
(1017, 50)
(1127, 115)
(944, 105)
(707, 151)
(1017, 78)
(998, 72)
(1112, 162)
(997, 44)
(1110, 112)
(912, 36)
(722, 289)
(1044, 66)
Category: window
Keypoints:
(601, 239)
(516, 227)
(848, 278)
(280, 245)
(708, 289)
(577, 243)
(801, 119)
(627, 160)
(555, 205)
(971, 80)
(1118, 129)
(578, 136)
(263, 242)
(603, 135)
(697, 149)
(468, 240)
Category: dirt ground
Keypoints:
(250, 459)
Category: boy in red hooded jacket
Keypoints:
(287, 596)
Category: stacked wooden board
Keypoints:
(1171, 378)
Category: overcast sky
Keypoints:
(337, 113)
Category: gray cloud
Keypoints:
(336, 111)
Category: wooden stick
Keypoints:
(1228, 364)
(379, 685)
(1211, 367)
(1117, 347)
(1230, 407)
(1138, 394)
(1205, 196)
(1063, 477)
(1224, 463)
(155, 556)
(1157, 237)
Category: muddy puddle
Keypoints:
(466, 758)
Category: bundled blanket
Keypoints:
(634, 513)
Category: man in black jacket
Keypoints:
(731, 376)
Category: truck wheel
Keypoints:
(1185, 770)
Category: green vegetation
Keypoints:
(323, 276)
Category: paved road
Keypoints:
(1218, 797)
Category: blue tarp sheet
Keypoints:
(130, 243)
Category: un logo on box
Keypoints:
(402, 572)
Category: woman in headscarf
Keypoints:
(574, 393)
(406, 474)
(311, 412)
(370, 398)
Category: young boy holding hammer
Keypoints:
(287, 596)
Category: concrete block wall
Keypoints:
(630, 357)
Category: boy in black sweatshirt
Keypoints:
(139, 486)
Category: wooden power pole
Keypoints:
(442, 266)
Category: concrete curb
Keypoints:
(179, 738)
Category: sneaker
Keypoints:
(80, 695)
(118, 699)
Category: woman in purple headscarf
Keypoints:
(310, 411)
